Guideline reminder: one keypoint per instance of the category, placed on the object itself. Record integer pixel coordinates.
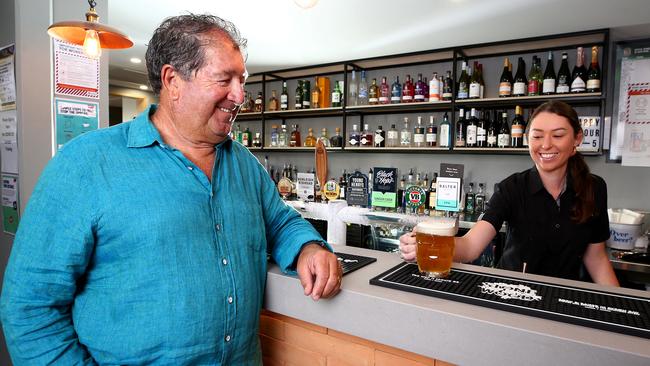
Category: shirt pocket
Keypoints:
(248, 223)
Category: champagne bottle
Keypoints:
(548, 85)
(593, 74)
(505, 83)
(563, 76)
(520, 85)
(579, 74)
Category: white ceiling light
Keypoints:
(305, 4)
(143, 87)
(136, 60)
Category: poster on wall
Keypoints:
(9, 152)
(73, 118)
(10, 216)
(636, 146)
(7, 79)
(75, 73)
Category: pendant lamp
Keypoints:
(90, 34)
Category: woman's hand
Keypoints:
(407, 246)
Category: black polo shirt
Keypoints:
(540, 233)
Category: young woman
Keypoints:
(556, 211)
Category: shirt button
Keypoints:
(228, 338)
(557, 226)
(217, 226)
(224, 261)
(190, 168)
(229, 299)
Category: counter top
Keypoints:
(451, 331)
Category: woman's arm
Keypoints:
(598, 265)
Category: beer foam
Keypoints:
(441, 227)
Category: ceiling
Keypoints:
(280, 34)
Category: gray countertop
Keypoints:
(451, 331)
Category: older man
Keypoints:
(146, 243)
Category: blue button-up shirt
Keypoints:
(128, 254)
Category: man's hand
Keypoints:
(407, 246)
(319, 271)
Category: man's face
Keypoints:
(208, 102)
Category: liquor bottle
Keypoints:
(579, 74)
(448, 87)
(306, 94)
(384, 91)
(418, 134)
(463, 83)
(246, 105)
(323, 137)
(373, 93)
(431, 137)
(426, 89)
(548, 85)
(342, 90)
(257, 140)
(419, 89)
(432, 192)
(310, 140)
(479, 200)
(273, 102)
(535, 78)
(425, 186)
(355, 137)
(434, 88)
(363, 90)
(520, 85)
(408, 90)
(400, 195)
(471, 131)
(505, 82)
(481, 80)
(392, 137)
(298, 102)
(315, 95)
(475, 83)
(380, 137)
(444, 134)
(366, 136)
(593, 74)
(336, 95)
(284, 97)
(343, 184)
(283, 139)
(353, 90)
(563, 76)
(337, 139)
(503, 138)
(294, 140)
(517, 129)
(481, 131)
(469, 199)
(405, 134)
(259, 103)
(246, 138)
(460, 129)
(492, 131)
(274, 136)
(236, 133)
(396, 91)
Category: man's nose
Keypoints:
(237, 92)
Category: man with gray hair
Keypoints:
(146, 243)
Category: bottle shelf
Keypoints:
(492, 150)
(530, 100)
(395, 149)
(297, 149)
(249, 116)
(399, 108)
(297, 113)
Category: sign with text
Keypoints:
(10, 215)
(305, 186)
(448, 194)
(74, 118)
(591, 132)
(384, 187)
(357, 191)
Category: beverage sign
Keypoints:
(357, 192)
(305, 186)
(415, 197)
(591, 133)
(384, 187)
(285, 186)
(331, 190)
(448, 194)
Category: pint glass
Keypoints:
(435, 245)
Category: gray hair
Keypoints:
(179, 42)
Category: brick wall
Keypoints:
(290, 342)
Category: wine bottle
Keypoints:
(520, 84)
(593, 74)
(548, 85)
(470, 130)
(481, 131)
(448, 87)
(444, 139)
(503, 138)
(505, 83)
(535, 77)
(517, 129)
(460, 129)
(492, 131)
(463, 83)
(563, 76)
(475, 83)
(579, 74)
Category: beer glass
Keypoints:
(435, 245)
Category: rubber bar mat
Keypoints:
(596, 309)
(351, 262)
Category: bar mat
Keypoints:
(596, 309)
(351, 262)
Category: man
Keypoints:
(146, 243)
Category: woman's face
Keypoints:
(551, 142)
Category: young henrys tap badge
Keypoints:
(384, 187)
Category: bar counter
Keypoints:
(447, 330)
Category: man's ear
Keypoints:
(170, 79)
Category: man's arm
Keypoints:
(50, 252)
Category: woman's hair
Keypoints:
(581, 177)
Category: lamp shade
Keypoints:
(75, 32)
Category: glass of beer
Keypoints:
(435, 245)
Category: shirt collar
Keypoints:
(535, 182)
(143, 133)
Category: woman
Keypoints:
(556, 211)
